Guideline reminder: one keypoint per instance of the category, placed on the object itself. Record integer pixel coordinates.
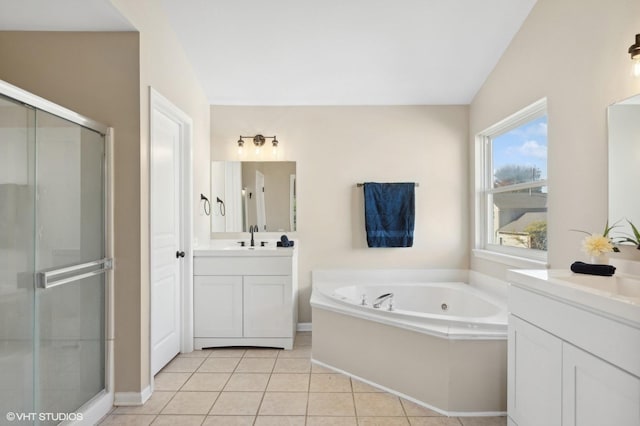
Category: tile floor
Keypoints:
(271, 387)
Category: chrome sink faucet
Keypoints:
(252, 229)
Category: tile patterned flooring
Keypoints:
(272, 387)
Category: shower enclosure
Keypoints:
(54, 261)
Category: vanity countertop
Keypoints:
(231, 248)
(617, 297)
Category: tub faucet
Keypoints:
(380, 300)
(252, 229)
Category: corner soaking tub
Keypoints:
(443, 344)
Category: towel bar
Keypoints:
(362, 184)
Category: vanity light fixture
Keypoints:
(634, 51)
(240, 147)
(258, 140)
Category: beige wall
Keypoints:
(101, 83)
(337, 147)
(163, 66)
(574, 52)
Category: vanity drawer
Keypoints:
(242, 265)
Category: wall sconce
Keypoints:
(634, 51)
(258, 142)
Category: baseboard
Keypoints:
(132, 398)
(304, 326)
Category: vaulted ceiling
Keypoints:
(304, 52)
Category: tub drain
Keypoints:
(444, 306)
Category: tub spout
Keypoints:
(380, 300)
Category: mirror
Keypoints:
(624, 161)
(245, 193)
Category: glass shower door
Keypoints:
(69, 261)
(17, 213)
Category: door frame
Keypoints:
(157, 102)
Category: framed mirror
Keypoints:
(624, 161)
(245, 193)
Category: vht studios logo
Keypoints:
(43, 417)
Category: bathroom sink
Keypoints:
(621, 285)
(250, 248)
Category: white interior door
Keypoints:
(167, 255)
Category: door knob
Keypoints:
(179, 254)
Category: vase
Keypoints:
(601, 259)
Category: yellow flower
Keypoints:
(596, 244)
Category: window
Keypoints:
(511, 184)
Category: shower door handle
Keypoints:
(55, 277)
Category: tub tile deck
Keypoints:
(262, 387)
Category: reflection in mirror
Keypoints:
(624, 162)
(249, 193)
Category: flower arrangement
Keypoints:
(598, 244)
(595, 245)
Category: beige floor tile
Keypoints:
(226, 352)
(330, 383)
(288, 382)
(413, 409)
(203, 353)
(383, 421)
(434, 421)
(484, 421)
(237, 403)
(280, 421)
(297, 352)
(183, 365)
(170, 381)
(377, 404)
(331, 404)
(283, 404)
(206, 382)
(228, 421)
(190, 403)
(255, 365)
(318, 369)
(292, 365)
(261, 353)
(247, 382)
(359, 386)
(331, 421)
(182, 420)
(219, 365)
(154, 404)
(128, 420)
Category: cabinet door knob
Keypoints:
(179, 254)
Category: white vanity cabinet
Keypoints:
(245, 298)
(569, 363)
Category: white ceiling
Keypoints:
(61, 15)
(316, 52)
(344, 52)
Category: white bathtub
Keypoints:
(432, 302)
(442, 346)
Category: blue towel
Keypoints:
(389, 212)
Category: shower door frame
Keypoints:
(99, 405)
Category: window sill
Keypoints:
(510, 260)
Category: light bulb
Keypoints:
(635, 68)
(240, 147)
